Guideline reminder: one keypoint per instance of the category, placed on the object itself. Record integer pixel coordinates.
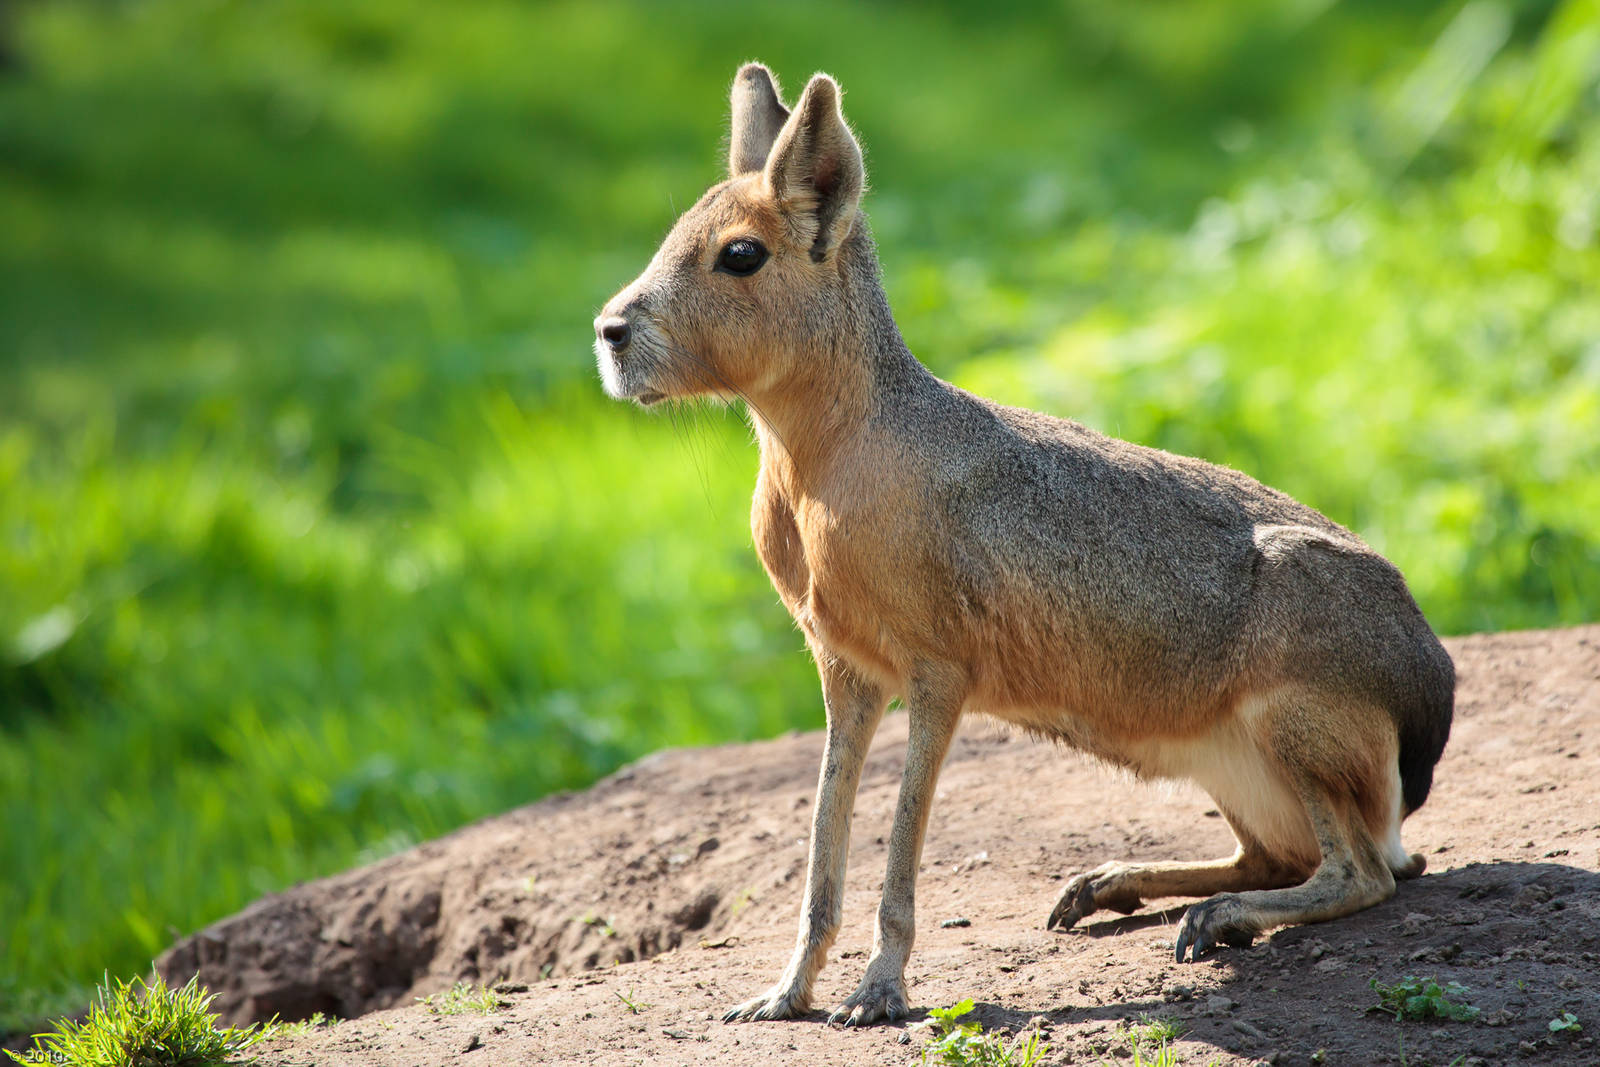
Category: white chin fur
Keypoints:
(610, 373)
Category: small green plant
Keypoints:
(600, 923)
(742, 900)
(1150, 1042)
(461, 999)
(1424, 998)
(317, 1021)
(139, 1022)
(1566, 1023)
(958, 1044)
(633, 1006)
(1158, 1031)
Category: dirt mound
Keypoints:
(675, 884)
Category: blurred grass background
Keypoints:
(319, 539)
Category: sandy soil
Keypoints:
(674, 885)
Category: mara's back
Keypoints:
(1092, 575)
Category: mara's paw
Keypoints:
(1217, 921)
(875, 1000)
(1088, 893)
(779, 1002)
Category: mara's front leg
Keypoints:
(854, 707)
(935, 707)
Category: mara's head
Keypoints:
(754, 278)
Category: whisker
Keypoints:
(684, 426)
(715, 377)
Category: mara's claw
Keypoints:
(1104, 887)
(1210, 923)
(1201, 941)
(775, 1003)
(1077, 901)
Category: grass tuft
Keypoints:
(317, 1021)
(958, 1044)
(148, 1024)
(1150, 1041)
(463, 998)
(634, 1007)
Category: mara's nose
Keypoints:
(614, 331)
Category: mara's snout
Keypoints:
(613, 337)
(627, 358)
(1166, 615)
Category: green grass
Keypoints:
(953, 1043)
(1150, 1042)
(319, 540)
(1156, 1031)
(140, 1023)
(300, 1028)
(633, 1006)
(463, 998)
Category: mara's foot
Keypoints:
(1218, 921)
(1088, 893)
(779, 1002)
(875, 1000)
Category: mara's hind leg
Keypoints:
(1250, 785)
(1342, 763)
(1352, 875)
(1123, 887)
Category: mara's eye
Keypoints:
(742, 257)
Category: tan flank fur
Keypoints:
(1166, 615)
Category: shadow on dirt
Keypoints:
(1523, 938)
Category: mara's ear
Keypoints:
(758, 115)
(815, 171)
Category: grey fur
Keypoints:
(758, 115)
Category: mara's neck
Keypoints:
(810, 423)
